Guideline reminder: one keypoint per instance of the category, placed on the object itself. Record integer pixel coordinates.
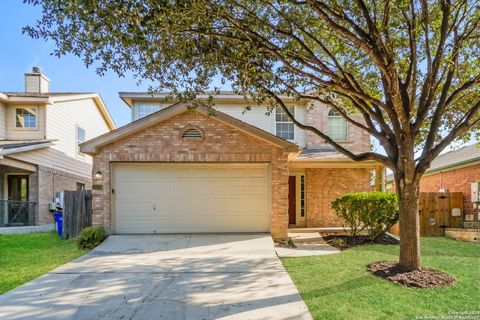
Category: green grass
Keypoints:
(339, 287)
(24, 257)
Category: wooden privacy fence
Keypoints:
(435, 209)
(77, 212)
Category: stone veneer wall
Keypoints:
(162, 142)
(325, 185)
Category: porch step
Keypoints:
(317, 230)
(309, 237)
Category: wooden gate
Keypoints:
(77, 212)
(435, 209)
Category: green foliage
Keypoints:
(91, 237)
(363, 53)
(374, 211)
(350, 218)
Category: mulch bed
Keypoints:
(423, 278)
(343, 241)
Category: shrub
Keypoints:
(91, 237)
(374, 211)
(344, 209)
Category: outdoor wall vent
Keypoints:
(192, 133)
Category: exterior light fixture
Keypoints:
(98, 174)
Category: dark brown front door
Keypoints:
(17, 196)
(292, 200)
(18, 187)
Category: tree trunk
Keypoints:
(409, 226)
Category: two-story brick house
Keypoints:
(177, 169)
(40, 133)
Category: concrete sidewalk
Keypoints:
(164, 277)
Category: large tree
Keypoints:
(411, 69)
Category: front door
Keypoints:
(17, 196)
(292, 200)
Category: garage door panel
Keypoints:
(166, 198)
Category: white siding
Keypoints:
(257, 116)
(51, 158)
(32, 83)
(3, 121)
(62, 121)
(14, 133)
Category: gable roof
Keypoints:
(456, 158)
(52, 97)
(91, 146)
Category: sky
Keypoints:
(19, 53)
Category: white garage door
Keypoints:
(184, 198)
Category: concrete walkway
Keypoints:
(164, 277)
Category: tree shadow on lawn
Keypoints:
(352, 284)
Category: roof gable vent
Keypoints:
(192, 133)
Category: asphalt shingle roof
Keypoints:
(453, 158)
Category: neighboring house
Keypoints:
(454, 171)
(40, 133)
(177, 169)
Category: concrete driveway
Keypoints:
(164, 277)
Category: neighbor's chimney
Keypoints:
(36, 82)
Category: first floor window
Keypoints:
(80, 138)
(80, 186)
(26, 117)
(337, 126)
(284, 125)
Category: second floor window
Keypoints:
(26, 117)
(284, 126)
(81, 138)
(337, 126)
(144, 109)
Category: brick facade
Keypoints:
(49, 182)
(324, 186)
(317, 116)
(163, 142)
(457, 180)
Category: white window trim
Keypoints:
(77, 147)
(337, 116)
(140, 104)
(285, 122)
(22, 128)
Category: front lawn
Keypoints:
(339, 287)
(24, 257)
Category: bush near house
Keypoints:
(375, 212)
(91, 237)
